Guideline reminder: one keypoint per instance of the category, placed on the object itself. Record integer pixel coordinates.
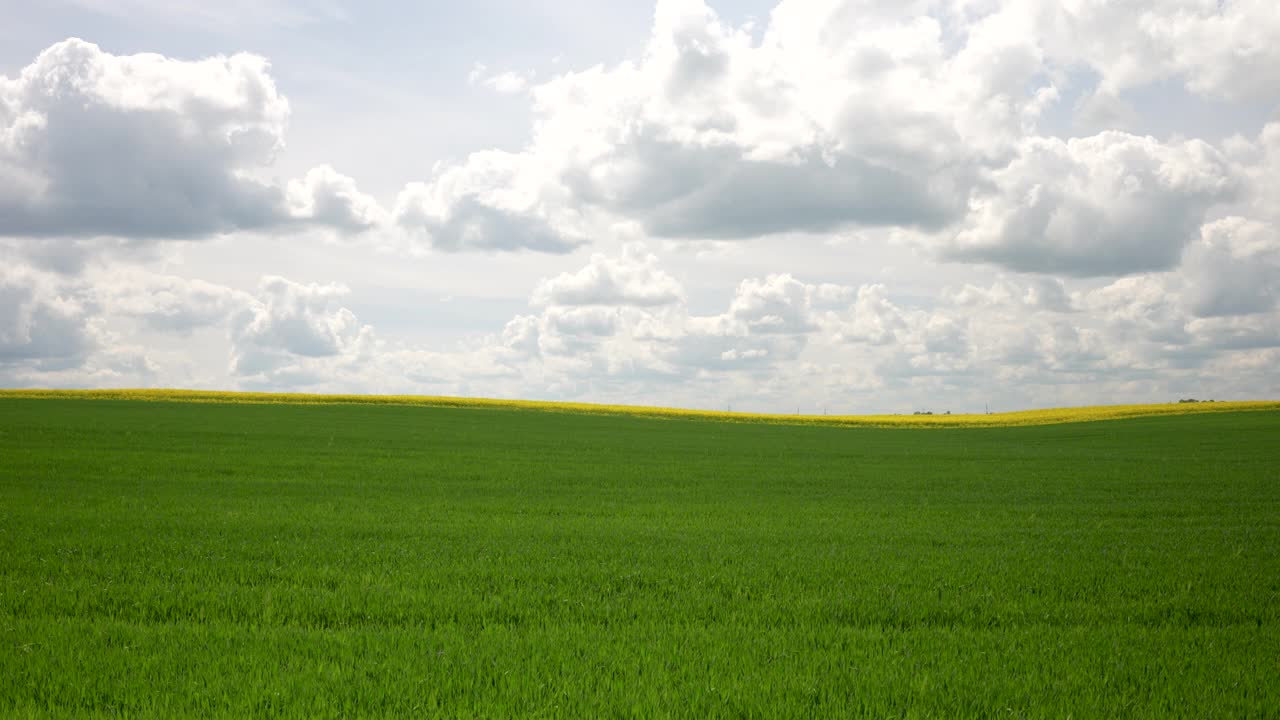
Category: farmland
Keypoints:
(195, 558)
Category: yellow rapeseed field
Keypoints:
(1024, 417)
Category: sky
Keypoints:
(815, 206)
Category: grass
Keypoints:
(162, 559)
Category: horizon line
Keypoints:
(1044, 416)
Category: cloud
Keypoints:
(1190, 317)
(88, 331)
(621, 319)
(42, 327)
(230, 15)
(1217, 49)
(1110, 204)
(776, 304)
(632, 279)
(1140, 309)
(1033, 293)
(630, 316)
(712, 136)
(148, 147)
(1254, 331)
(1021, 340)
(1114, 265)
(328, 198)
(504, 83)
(828, 294)
(491, 202)
(904, 121)
(779, 342)
(168, 303)
(1234, 269)
(137, 146)
(289, 322)
(520, 334)
(1258, 162)
(875, 318)
(575, 331)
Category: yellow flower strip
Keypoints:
(1025, 417)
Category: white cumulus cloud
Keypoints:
(632, 279)
(289, 322)
(1109, 204)
(150, 147)
(493, 202)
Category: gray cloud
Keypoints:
(720, 194)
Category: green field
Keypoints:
(162, 559)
